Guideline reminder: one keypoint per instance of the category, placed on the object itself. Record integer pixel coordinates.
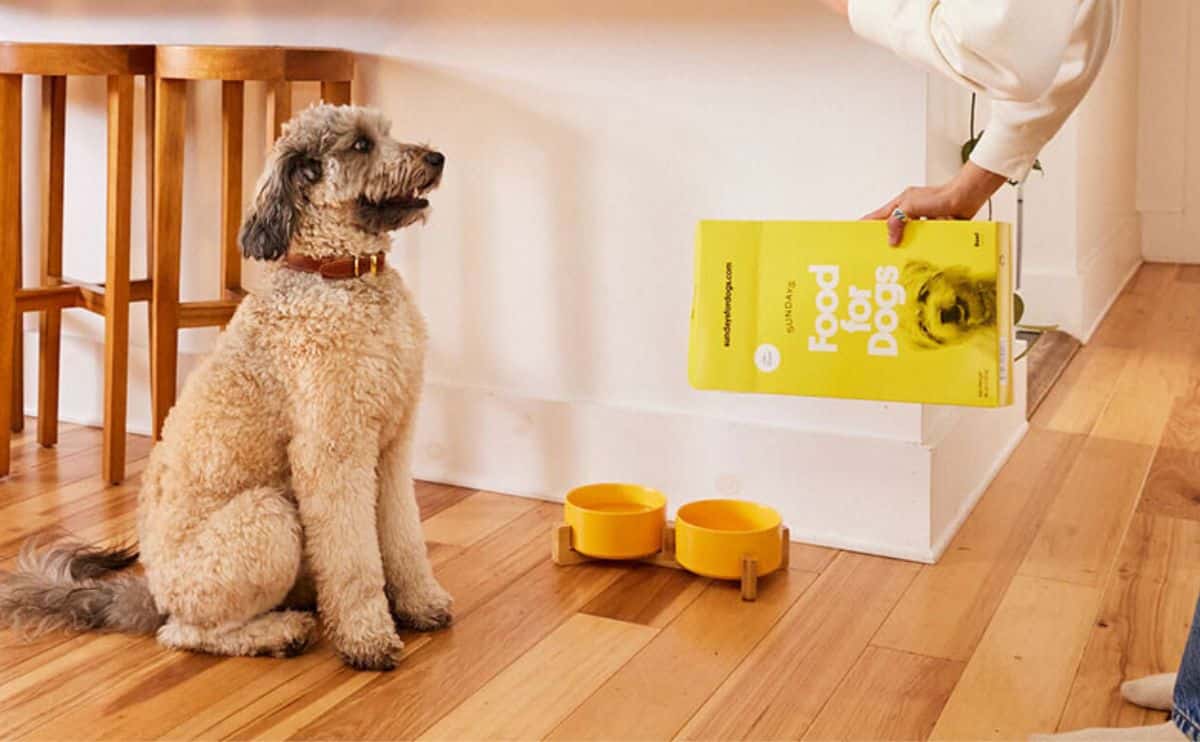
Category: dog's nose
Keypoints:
(952, 315)
(435, 159)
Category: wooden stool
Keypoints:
(333, 69)
(54, 63)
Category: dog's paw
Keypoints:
(430, 611)
(378, 654)
(298, 633)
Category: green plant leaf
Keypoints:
(969, 147)
(1018, 308)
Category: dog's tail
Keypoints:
(65, 584)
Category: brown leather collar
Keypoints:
(333, 269)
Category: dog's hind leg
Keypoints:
(275, 634)
(220, 586)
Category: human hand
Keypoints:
(961, 198)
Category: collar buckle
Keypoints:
(373, 264)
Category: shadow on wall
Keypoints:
(454, 287)
(673, 12)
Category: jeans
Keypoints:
(1186, 713)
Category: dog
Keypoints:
(283, 475)
(951, 307)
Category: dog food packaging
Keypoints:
(828, 309)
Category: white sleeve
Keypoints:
(1036, 59)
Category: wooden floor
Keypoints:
(1049, 355)
(1079, 568)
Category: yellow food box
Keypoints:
(828, 309)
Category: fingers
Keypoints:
(883, 212)
(895, 226)
(913, 203)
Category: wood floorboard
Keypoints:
(1079, 569)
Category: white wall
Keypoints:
(1107, 220)
(1168, 143)
(584, 143)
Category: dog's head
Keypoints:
(947, 306)
(338, 166)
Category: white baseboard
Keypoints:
(1168, 238)
(1108, 303)
(969, 456)
(866, 494)
(872, 494)
(1053, 299)
(1078, 300)
(1065, 299)
(946, 533)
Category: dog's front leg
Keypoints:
(418, 601)
(334, 478)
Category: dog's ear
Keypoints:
(268, 227)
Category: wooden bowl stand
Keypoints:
(563, 554)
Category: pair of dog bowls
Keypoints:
(712, 538)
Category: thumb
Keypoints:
(895, 226)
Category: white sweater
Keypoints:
(1035, 58)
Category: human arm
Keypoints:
(1036, 60)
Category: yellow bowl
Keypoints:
(712, 536)
(616, 521)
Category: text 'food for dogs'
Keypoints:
(828, 309)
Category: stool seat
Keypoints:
(18, 58)
(255, 63)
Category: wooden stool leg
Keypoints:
(17, 421)
(54, 125)
(232, 100)
(337, 93)
(148, 125)
(10, 250)
(279, 108)
(116, 284)
(149, 115)
(170, 107)
(17, 416)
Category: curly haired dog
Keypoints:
(284, 467)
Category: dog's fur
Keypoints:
(947, 307)
(284, 467)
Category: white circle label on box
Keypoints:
(767, 358)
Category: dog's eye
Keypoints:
(363, 145)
